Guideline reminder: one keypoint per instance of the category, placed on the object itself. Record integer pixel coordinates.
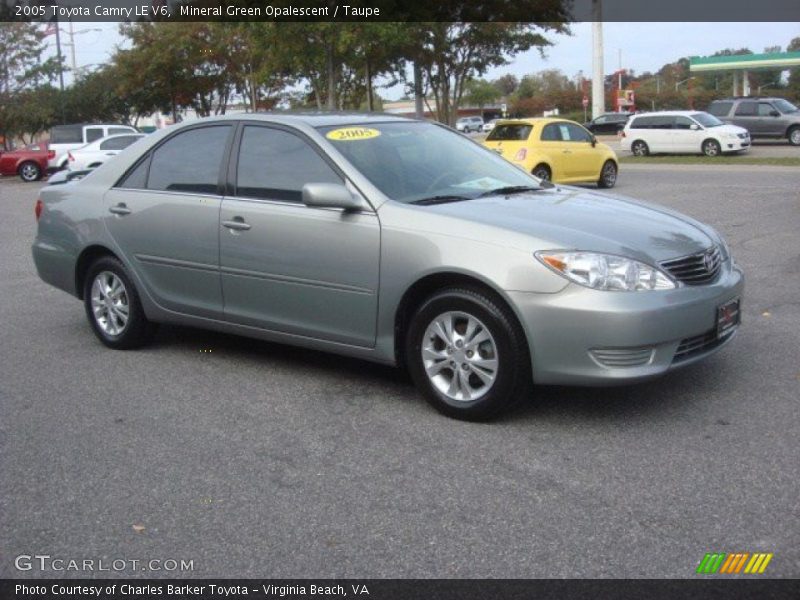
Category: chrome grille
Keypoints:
(697, 269)
(622, 357)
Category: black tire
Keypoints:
(640, 148)
(542, 171)
(608, 175)
(512, 377)
(29, 171)
(793, 135)
(711, 148)
(137, 331)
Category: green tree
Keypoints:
(480, 92)
(450, 54)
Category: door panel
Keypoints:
(164, 216)
(288, 267)
(301, 270)
(172, 240)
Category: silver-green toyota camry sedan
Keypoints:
(391, 240)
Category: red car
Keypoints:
(30, 162)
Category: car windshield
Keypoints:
(414, 161)
(784, 106)
(707, 120)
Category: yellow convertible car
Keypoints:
(555, 149)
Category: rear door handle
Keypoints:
(236, 224)
(120, 209)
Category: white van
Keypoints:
(64, 138)
(682, 132)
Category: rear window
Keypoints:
(510, 132)
(66, 134)
(720, 109)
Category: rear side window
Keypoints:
(118, 143)
(275, 165)
(189, 161)
(117, 130)
(93, 134)
(747, 109)
(641, 123)
(66, 134)
(720, 109)
(510, 133)
(664, 122)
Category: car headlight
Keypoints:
(730, 136)
(606, 272)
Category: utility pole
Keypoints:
(598, 77)
(60, 72)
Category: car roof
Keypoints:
(669, 113)
(312, 118)
(537, 120)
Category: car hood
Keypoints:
(576, 219)
(730, 129)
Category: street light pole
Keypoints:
(60, 72)
(598, 76)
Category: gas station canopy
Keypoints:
(745, 63)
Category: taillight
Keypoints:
(51, 154)
(38, 209)
(70, 157)
(521, 154)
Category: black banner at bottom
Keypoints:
(397, 589)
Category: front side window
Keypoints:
(570, 132)
(190, 161)
(551, 133)
(275, 164)
(642, 123)
(707, 120)
(683, 123)
(765, 109)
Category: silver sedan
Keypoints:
(390, 240)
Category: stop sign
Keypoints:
(585, 101)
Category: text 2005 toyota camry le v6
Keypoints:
(391, 240)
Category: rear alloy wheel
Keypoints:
(608, 175)
(794, 136)
(640, 148)
(30, 171)
(113, 307)
(542, 172)
(712, 148)
(467, 355)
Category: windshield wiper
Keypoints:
(511, 189)
(442, 199)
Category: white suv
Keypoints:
(682, 132)
(467, 124)
(64, 138)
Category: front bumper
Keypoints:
(737, 145)
(581, 336)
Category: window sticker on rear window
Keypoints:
(350, 134)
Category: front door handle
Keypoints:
(120, 209)
(567, 151)
(236, 224)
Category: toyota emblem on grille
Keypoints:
(708, 261)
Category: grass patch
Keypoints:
(744, 159)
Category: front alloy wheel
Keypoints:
(460, 356)
(608, 175)
(467, 354)
(794, 136)
(711, 148)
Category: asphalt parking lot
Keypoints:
(255, 459)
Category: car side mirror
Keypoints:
(330, 195)
(694, 126)
(594, 141)
(774, 113)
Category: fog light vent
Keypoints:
(622, 357)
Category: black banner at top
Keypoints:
(399, 10)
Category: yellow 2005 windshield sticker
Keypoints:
(351, 134)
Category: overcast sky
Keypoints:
(644, 46)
